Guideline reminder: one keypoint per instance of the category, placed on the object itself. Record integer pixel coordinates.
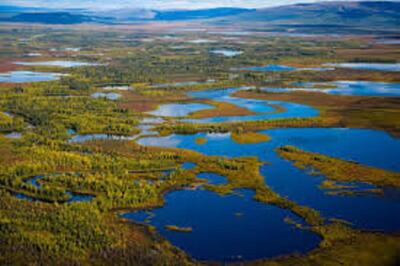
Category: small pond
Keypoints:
(28, 76)
(202, 41)
(13, 135)
(227, 52)
(109, 96)
(188, 165)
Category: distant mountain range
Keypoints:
(46, 16)
(345, 13)
(379, 14)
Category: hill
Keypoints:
(336, 17)
(379, 14)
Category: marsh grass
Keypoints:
(249, 137)
(339, 170)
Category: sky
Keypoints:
(152, 4)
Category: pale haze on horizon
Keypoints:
(155, 4)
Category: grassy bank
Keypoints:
(339, 170)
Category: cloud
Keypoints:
(152, 4)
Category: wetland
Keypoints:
(185, 157)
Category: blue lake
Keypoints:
(28, 76)
(391, 67)
(374, 148)
(227, 228)
(360, 88)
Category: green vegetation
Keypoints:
(329, 184)
(123, 176)
(221, 109)
(249, 137)
(339, 170)
(201, 141)
(179, 229)
(192, 128)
